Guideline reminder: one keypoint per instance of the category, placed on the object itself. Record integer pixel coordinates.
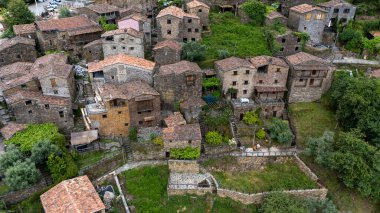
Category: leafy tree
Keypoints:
(132, 135)
(210, 83)
(251, 118)
(352, 38)
(282, 203)
(321, 206)
(372, 45)
(9, 158)
(17, 13)
(61, 168)
(255, 10)
(214, 138)
(222, 54)
(279, 131)
(321, 148)
(187, 153)
(22, 175)
(64, 12)
(193, 51)
(42, 150)
(105, 25)
(260, 134)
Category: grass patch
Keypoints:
(275, 176)
(227, 33)
(226, 205)
(88, 158)
(4, 189)
(311, 120)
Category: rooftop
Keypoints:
(168, 43)
(305, 8)
(73, 195)
(121, 59)
(85, 137)
(175, 119)
(93, 43)
(175, 11)
(135, 16)
(22, 95)
(75, 24)
(274, 15)
(334, 3)
(196, 3)
(24, 28)
(103, 8)
(179, 67)
(182, 133)
(231, 63)
(192, 102)
(16, 40)
(10, 129)
(129, 31)
(267, 60)
(19, 68)
(303, 57)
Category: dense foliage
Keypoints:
(132, 134)
(223, 118)
(252, 118)
(42, 150)
(187, 153)
(61, 168)
(214, 138)
(17, 13)
(255, 10)
(105, 25)
(64, 12)
(35, 133)
(210, 83)
(193, 51)
(9, 158)
(22, 175)
(260, 134)
(320, 148)
(279, 131)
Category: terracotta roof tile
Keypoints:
(135, 16)
(274, 15)
(85, 30)
(302, 57)
(24, 28)
(23, 95)
(121, 59)
(179, 67)
(266, 60)
(103, 8)
(375, 73)
(333, 3)
(19, 68)
(15, 41)
(73, 195)
(10, 129)
(196, 3)
(375, 33)
(231, 63)
(182, 133)
(175, 119)
(129, 31)
(175, 11)
(168, 43)
(304, 8)
(67, 24)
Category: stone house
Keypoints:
(308, 19)
(167, 52)
(338, 10)
(69, 34)
(275, 17)
(181, 136)
(285, 5)
(309, 77)
(270, 84)
(93, 51)
(121, 68)
(173, 23)
(123, 41)
(236, 76)
(192, 108)
(201, 10)
(25, 30)
(174, 119)
(121, 106)
(146, 7)
(97, 11)
(290, 43)
(15, 70)
(17, 49)
(138, 22)
(178, 82)
(73, 195)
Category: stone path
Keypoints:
(133, 165)
(346, 60)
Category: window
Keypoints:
(189, 141)
(169, 32)
(314, 72)
(301, 80)
(276, 81)
(278, 70)
(319, 16)
(196, 30)
(114, 47)
(28, 102)
(296, 49)
(244, 92)
(283, 40)
(247, 72)
(235, 72)
(119, 112)
(263, 69)
(260, 81)
(131, 40)
(53, 83)
(184, 39)
(140, 122)
(189, 30)
(30, 112)
(55, 92)
(346, 11)
(193, 39)
(104, 116)
(121, 39)
(123, 48)
(131, 48)
(143, 106)
(282, 49)
(126, 124)
(190, 80)
(246, 82)
(112, 77)
(18, 56)
(23, 86)
(200, 10)
(311, 82)
(336, 10)
(308, 17)
(169, 21)
(234, 83)
(47, 106)
(189, 21)
(61, 114)
(1, 60)
(298, 40)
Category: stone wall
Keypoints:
(18, 196)
(124, 43)
(147, 151)
(166, 55)
(199, 191)
(183, 166)
(18, 52)
(305, 169)
(210, 150)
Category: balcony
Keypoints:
(271, 102)
(239, 103)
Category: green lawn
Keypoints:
(147, 185)
(3, 188)
(311, 120)
(275, 176)
(89, 158)
(227, 33)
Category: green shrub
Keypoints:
(260, 134)
(61, 168)
(193, 51)
(152, 136)
(214, 138)
(64, 12)
(42, 150)
(21, 175)
(251, 118)
(255, 10)
(158, 141)
(187, 153)
(132, 134)
(210, 83)
(279, 131)
(9, 158)
(105, 26)
(222, 54)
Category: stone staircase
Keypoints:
(5, 118)
(234, 131)
(203, 132)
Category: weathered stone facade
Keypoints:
(97, 11)
(309, 77)
(173, 23)
(25, 30)
(290, 44)
(179, 81)
(17, 49)
(147, 7)
(201, 10)
(309, 19)
(338, 10)
(182, 136)
(167, 52)
(93, 51)
(123, 41)
(140, 23)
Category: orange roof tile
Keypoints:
(304, 8)
(182, 132)
(231, 63)
(11, 128)
(179, 67)
(175, 119)
(24, 28)
(168, 43)
(196, 3)
(67, 24)
(121, 59)
(259, 61)
(175, 11)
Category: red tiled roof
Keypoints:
(129, 31)
(196, 3)
(73, 195)
(16, 40)
(121, 59)
(266, 60)
(175, 11)
(168, 43)
(10, 129)
(302, 57)
(103, 8)
(23, 95)
(175, 119)
(67, 24)
(179, 67)
(231, 63)
(24, 28)
(182, 133)
(304, 8)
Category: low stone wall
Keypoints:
(183, 166)
(211, 150)
(18, 196)
(199, 191)
(259, 197)
(305, 169)
(261, 162)
(147, 151)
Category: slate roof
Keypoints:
(21, 68)
(103, 8)
(178, 68)
(93, 43)
(73, 195)
(76, 24)
(127, 91)
(135, 16)
(196, 3)
(305, 8)
(182, 133)
(24, 28)
(15, 41)
(175, 11)
(302, 57)
(274, 15)
(175, 119)
(11, 129)
(22, 95)
(129, 31)
(266, 60)
(231, 63)
(168, 43)
(121, 59)
(334, 3)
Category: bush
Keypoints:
(64, 12)
(152, 136)
(22, 175)
(214, 138)
(9, 158)
(320, 148)
(42, 150)
(105, 26)
(158, 141)
(61, 168)
(260, 134)
(279, 131)
(193, 51)
(17, 13)
(210, 83)
(251, 118)
(132, 135)
(283, 203)
(222, 54)
(187, 153)
(255, 10)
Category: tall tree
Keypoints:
(22, 175)
(17, 13)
